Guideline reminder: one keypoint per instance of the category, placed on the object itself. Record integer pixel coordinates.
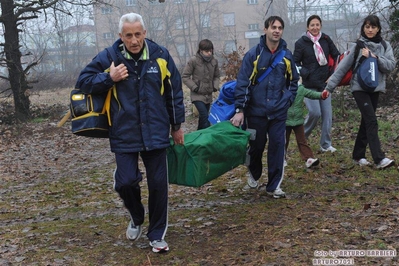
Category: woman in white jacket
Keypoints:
(366, 101)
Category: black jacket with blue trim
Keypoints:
(145, 104)
(273, 96)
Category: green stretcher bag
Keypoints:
(207, 154)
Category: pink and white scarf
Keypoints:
(318, 51)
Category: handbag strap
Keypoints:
(277, 59)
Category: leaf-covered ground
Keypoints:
(58, 207)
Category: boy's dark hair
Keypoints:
(373, 20)
(269, 21)
(205, 45)
(312, 17)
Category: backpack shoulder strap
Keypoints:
(277, 59)
(384, 44)
(112, 91)
(114, 56)
(359, 45)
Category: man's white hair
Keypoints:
(130, 18)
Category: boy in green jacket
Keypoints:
(295, 122)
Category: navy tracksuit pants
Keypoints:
(127, 178)
(274, 130)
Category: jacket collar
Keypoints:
(144, 56)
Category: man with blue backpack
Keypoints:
(264, 103)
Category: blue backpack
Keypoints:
(223, 108)
(367, 71)
(367, 74)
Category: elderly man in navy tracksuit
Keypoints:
(147, 103)
(265, 104)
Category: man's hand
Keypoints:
(178, 136)
(119, 72)
(238, 119)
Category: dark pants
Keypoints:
(127, 178)
(203, 111)
(275, 130)
(303, 146)
(368, 129)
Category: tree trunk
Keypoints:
(16, 75)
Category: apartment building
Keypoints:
(181, 24)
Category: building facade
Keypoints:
(179, 25)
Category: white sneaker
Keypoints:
(385, 163)
(285, 163)
(330, 149)
(133, 232)
(159, 246)
(312, 162)
(362, 162)
(278, 193)
(252, 183)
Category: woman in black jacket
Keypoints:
(311, 54)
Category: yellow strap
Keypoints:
(254, 71)
(289, 70)
(164, 71)
(107, 105)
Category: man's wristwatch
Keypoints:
(238, 110)
(176, 127)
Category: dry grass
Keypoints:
(58, 206)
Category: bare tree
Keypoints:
(13, 18)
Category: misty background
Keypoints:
(54, 40)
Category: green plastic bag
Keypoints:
(207, 154)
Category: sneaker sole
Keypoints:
(248, 188)
(386, 166)
(361, 164)
(325, 150)
(160, 250)
(275, 196)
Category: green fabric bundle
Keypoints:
(207, 154)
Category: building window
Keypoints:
(156, 24)
(131, 2)
(205, 21)
(252, 2)
(181, 23)
(253, 26)
(107, 35)
(181, 49)
(229, 19)
(200, 1)
(229, 47)
(179, 1)
(106, 10)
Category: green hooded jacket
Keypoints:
(295, 112)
